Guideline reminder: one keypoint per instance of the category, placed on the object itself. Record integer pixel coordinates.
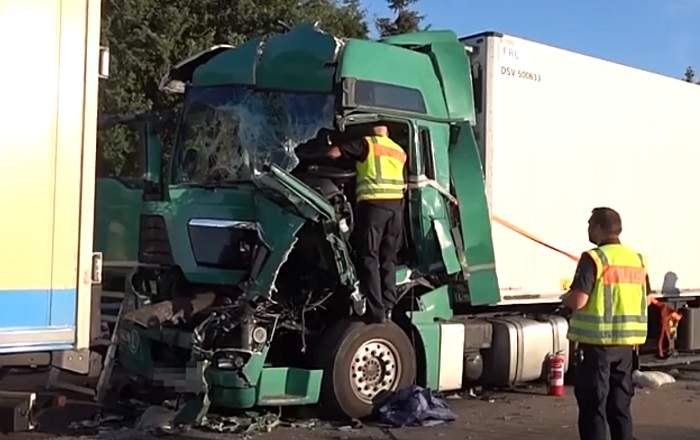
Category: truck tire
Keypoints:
(362, 364)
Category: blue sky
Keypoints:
(662, 36)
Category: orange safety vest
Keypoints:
(616, 311)
(380, 176)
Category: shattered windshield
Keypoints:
(227, 132)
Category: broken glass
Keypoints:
(229, 132)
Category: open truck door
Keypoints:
(129, 162)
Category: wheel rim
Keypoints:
(376, 367)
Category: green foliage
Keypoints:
(146, 37)
(117, 151)
(406, 20)
(689, 75)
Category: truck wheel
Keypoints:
(363, 363)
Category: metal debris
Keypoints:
(431, 423)
(175, 311)
(266, 423)
(171, 404)
(239, 425)
(156, 418)
(96, 422)
(222, 424)
(475, 392)
(305, 424)
(83, 424)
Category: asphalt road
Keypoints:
(668, 413)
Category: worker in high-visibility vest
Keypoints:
(609, 296)
(380, 187)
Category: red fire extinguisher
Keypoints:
(555, 376)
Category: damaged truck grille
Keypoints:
(224, 244)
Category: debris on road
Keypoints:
(156, 418)
(252, 423)
(305, 424)
(222, 424)
(693, 387)
(354, 424)
(431, 423)
(264, 423)
(98, 421)
(414, 406)
(651, 379)
(83, 424)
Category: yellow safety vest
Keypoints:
(616, 312)
(380, 175)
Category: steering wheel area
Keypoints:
(330, 172)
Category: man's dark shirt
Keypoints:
(586, 273)
(356, 150)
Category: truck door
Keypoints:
(118, 191)
(468, 181)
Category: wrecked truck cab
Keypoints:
(247, 271)
(226, 248)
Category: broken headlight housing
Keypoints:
(231, 359)
(231, 336)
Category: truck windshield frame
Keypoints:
(228, 133)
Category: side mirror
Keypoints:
(153, 162)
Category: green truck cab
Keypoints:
(246, 272)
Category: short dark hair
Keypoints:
(608, 220)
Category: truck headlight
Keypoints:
(232, 361)
(260, 335)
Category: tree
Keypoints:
(146, 37)
(406, 20)
(689, 75)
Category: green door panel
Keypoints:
(117, 209)
(282, 386)
(302, 60)
(416, 72)
(233, 66)
(433, 307)
(447, 247)
(474, 217)
(451, 66)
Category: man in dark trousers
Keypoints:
(609, 300)
(380, 187)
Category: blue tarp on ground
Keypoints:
(414, 406)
